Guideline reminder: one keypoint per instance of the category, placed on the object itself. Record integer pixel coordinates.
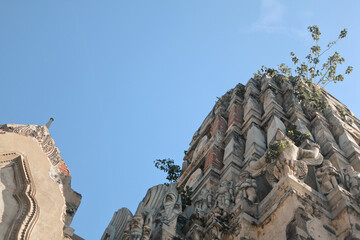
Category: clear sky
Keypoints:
(131, 81)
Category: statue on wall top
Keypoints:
(224, 199)
(225, 194)
(171, 207)
(246, 188)
(352, 180)
(326, 175)
(137, 223)
(289, 159)
(203, 204)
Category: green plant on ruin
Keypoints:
(342, 113)
(167, 165)
(225, 99)
(173, 173)
(310, 74)
(240, 91)
(295, 135)
(309, 95)
(185, 195)
(275, 149)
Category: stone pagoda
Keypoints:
(261, 166)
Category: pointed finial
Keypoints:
(49, 123)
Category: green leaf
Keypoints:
(349, 70)
(343, 33)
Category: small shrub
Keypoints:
(185, 195)
(309, 74)
(167, 165)
(275, 149)
(295, 135)
(342, 113)
(240, 91)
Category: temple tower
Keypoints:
(263, 165)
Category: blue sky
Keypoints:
(131, 81)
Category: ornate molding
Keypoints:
(28, 210)
(42, 136)
(59, 172)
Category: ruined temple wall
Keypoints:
(37, 200)
(47, 194)
(242, 125)
(304, 192)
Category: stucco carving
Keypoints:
(171, 207)
(127, 230)
(147, 228)
(221, 211)
(141, 225)
(326, 175)
(352, 181)
(246, 188)
(137, 223)
(215, 232)
(161, 205)
(203, 204)
(292, 160)
(194, 178)
(200, 149)
(58, 171)
(117, 225)
(197, 233)
(27, 212)
(154, 196)
(42, 136)
(225, 194)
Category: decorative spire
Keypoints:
(49, 123)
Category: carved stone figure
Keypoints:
(197, 233)
(140, 226)
(326, 176)
(246, 188)
(127, 231)
(154, 195)
(215, 233)
(309, 152)
(224, 198)
(352, 180)
(220, 213)
(351, 122)
(200, 147)
(225, 194)
(203, 204)
(194, 178)
(171, 205)
(147, 228)
(292, 160)
(285, 167)
(137, 223)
